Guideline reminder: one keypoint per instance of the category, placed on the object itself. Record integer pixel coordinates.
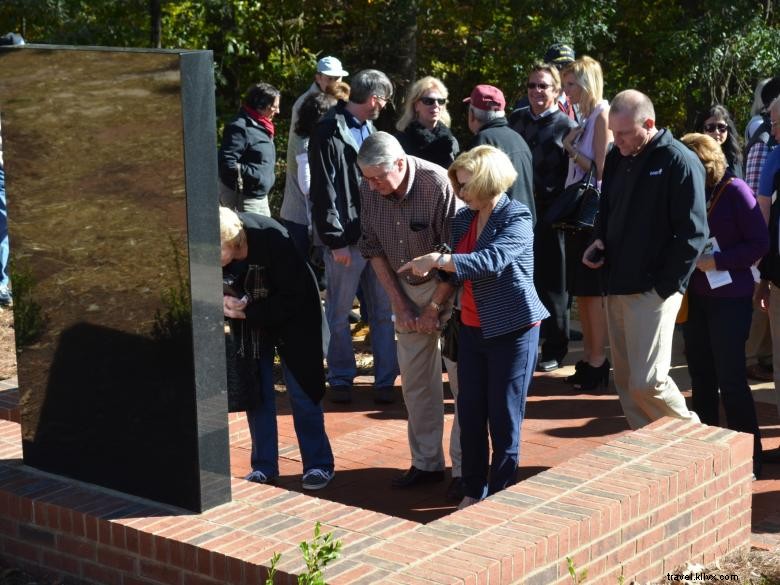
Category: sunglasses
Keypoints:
(429, 101)
(541, 86)
(720, 127)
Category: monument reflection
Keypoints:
(110, 177)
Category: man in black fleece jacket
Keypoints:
(652, 226)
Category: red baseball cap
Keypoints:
(487, 97)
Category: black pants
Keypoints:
(550, 283)
(715, 336)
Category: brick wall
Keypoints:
(642, 505)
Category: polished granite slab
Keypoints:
(111, 180)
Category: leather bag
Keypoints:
(577, 207)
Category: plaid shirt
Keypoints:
(402, 229)
(754, 164)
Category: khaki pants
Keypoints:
(759, 343)
(774, 326)
(419, 359)
(641, 327)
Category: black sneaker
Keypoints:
(341, 394)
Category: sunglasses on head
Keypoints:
(720, 127)
(541, 86)
(429, 101)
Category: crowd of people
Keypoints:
(433, 238)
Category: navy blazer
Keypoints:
(501, 268)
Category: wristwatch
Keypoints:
(440, 261)
(435, 305)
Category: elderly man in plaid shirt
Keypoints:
(406, 207)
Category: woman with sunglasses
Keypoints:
(717, 123)
(423, 129)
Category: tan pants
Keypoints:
(641, 327)
(419, 359)
(774, 326)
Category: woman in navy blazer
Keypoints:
(500, 314)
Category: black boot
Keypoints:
(579, 372)
(594, 378)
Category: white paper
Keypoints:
(716, 278)
(756, 273)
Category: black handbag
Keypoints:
(449, 337)
(577, 207)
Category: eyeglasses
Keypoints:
(378, 178)
(541, 86)
(382, 100)
(719, 127)
(429, 101)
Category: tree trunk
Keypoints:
(155, 17)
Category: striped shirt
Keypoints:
(405, 228)
(753, 165)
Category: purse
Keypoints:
(577, 207)
(449, 337)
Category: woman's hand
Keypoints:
(421, 265)
(706, 262)
(233, 307)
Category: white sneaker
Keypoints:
(316, 479)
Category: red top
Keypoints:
(468, 308)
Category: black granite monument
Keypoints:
(110, 162)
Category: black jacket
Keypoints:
(335, 180)
(544, 137)
(291, 313)
(498, 133)
(665, 222)
(438, 146)
(244, 141)
(770, 264)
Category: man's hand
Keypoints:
(405, 317)
(594, 255)
(762, 295)
(428, 321)
(233, 307)
(342, 256)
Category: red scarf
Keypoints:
(264, 121)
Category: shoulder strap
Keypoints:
(715, 198)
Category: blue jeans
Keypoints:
(343, 282)
(493, 379)
(715, 336)
(3, 233)
(308, 420)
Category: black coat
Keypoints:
(335, 180)
(438, 146)
(498, 133)
(291, 312)
(664, 228)
(247, 143)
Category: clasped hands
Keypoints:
(233, 307)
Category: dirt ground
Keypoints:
(7, 346)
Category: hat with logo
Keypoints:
(331, 66)
(559, 55)
(487, 97)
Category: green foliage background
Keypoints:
(686, 55)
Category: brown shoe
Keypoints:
(760, 373)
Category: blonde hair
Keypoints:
(491, 171)
(710, 154)
(231, 229)
(414, 94)
(587, 73)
